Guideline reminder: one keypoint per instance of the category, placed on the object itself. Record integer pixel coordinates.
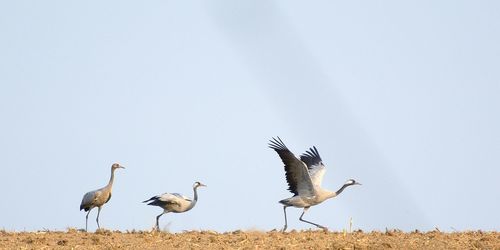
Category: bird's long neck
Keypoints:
(195, 190)
(111, 179)
(341, 189)
(195, 198)
(325, 194)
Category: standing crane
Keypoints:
(304, 177)
(174, 202)
(99, 197)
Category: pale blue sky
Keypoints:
(401, 96)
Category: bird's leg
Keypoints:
(157, 223)
(305, 210)
(87, 219)
(286, 224)
(97, 219)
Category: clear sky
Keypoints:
(401, 96)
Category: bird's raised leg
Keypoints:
(305, 210)
(286, 224)
(157, 221)
(87, 219)
(97, 219)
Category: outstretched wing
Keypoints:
(315, 165)
(297, 176)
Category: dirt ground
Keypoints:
(105, 239)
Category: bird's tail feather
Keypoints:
(150, 199)
(285, 202)
(84, 207)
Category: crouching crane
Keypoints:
(174, 202)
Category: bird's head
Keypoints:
(351, 182)
(198, 184)
(115, 166)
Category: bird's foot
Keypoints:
(284, 229)
(325, 229)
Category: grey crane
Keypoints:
(99, 197)
(304, 177)
(174, 202)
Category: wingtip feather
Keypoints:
(277, 144)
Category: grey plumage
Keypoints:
(174, 202)
(304, 177)
(99, 197)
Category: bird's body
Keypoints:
(174, 202)
(95, 198)
(304, 176)
(300, 201)
(99, 197)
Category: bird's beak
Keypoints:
(357, 183)
(121, 167)
(203, 185)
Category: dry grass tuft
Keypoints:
(104, 232)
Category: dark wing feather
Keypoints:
(296, 173)
(311, 158)
(315, 165)
(161, 203)
(162, 200)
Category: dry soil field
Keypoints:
(104, 239)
